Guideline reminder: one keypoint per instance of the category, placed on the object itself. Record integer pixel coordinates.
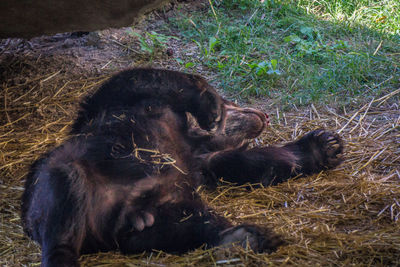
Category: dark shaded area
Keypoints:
(27, 19)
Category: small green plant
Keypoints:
(212, 44)
(265, 67)
(152, 42)
(309, 43)
(187, 65)
(206, 51)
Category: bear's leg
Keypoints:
(268, 165)
(316, 151)
(60, 256)
(58, 222)
(188, 225)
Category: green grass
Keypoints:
(298, 51)
(383, 15)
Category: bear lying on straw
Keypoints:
(126, 179)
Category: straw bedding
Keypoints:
(347, 216)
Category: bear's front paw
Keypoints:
(330, 147)
(319, 150)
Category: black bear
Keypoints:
(126, 178)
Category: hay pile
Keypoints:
(347, 216)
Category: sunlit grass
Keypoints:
(298, 51)
(381, 15)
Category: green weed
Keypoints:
(152, 42)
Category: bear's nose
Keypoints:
(244, 122)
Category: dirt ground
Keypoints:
(347, 216)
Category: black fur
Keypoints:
(127, 176)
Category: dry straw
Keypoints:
(347, 216)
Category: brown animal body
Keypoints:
(127, 177)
